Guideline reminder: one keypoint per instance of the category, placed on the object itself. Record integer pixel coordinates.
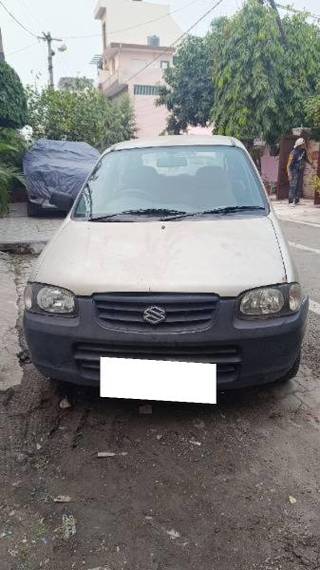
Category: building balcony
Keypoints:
(113, 84)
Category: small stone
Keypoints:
(64, 404)
(100, 568)
(111, 454)
(62, 499)
(292, 500)
(173, 534)
(106, 454)
(21, 457)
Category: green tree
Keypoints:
(260, 82)
(13, 104)
(312, 109)
(248, 75)
(188, 93)
(10, 172)
(302, 66)
(83, 115)
(121, 124)
(75, 83)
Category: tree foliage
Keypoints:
(13, 146)
(260, 83)
(75, 83)
(120, 124)
(312, 109)
(13, 105)
(11, 150)
(83, 115)
(249, 76)
(188, 92)
(302, 65)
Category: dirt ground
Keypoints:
(230, 487)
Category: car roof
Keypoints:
(177, 140)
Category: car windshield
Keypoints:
(171, 182)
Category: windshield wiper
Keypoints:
(215, 211)
(162, 212)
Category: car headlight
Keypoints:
(273, 301)
(295, 297)
(49, 299)
(28, 298)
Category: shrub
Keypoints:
(13, 104)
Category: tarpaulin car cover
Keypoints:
(62, 166)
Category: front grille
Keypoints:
(227, 358)
(183, 312)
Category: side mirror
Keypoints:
(63, 202)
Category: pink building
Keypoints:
(137, 38)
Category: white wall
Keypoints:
(122, 14)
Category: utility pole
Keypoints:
(279, 21)
(49, 39)
(2, 58)
(274, 6)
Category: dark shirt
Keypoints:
(297, 159)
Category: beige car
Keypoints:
(171, 251)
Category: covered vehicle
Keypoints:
(171, 251)
(56, 166)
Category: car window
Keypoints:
(186, 178)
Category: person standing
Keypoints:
(295, 169)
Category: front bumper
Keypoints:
(247, 352)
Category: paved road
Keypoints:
(234, 487)
(304, 241)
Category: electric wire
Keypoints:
(177, 41)
(136, 25)
(17, 21)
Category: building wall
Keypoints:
(122, 14)
(269, 167)
(133, 61)
(118, 15)
(150, 119)
(313, 151)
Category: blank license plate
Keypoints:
(136, 379)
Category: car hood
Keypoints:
(225, 256)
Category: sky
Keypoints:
(65, 18)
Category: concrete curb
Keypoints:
(27, 247)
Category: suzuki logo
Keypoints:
(154, 315)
